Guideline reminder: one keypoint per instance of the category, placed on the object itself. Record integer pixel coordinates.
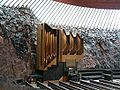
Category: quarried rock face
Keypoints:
(10, 65)
(103, 46)
(87, 62)
(17, 41)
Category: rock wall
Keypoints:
(103, 46)
(10, 65)
(17, 41)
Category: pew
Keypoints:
(56, 87)
(116, 73)
(107, 74)
(28, 84)
(101, 87)
(111, 87)
(88, 74)
(70, 87)
(42, 86)
(110, 82)
(86, 87)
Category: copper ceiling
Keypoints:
(102, 4)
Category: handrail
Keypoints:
(73, 51)
(51, 60)
(65, 51)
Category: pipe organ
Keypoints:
(54, 46)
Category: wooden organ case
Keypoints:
(54, 46)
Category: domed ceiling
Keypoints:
(58, 13)
(103, 4)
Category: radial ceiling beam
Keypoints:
(103, 4)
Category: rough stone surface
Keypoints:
(17, 37)
(10, 65)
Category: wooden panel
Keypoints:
(71, 41)
(40, 47)
(71, 57)
(103, 4)
(63, 38)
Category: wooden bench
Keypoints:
(116, 73)
(68, 86)
(112, 87)
(42, 86)
(28, 84)
(82, 85)
(56, 87)
(101, 87)
(110, 82)
(90, 74)
(107, 74)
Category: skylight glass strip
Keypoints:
(108, 22)
(62, 13)
(16, 4)
(3, 2)
(102, 18)
(116, 19)
(90, 18)
(67, 19)
(107, 19)
(72, 16)
(118, 24)
(54, 14)
(76, 15)
(26, 3)
(30, 3)
(51, 12)
(43, 6)
(38, 7)
(84, 17)
(64, 18)
(7, 2)
(53, 19)
(80, 10)
(12, 2)
(45, 10)
(94, 22)
(81, 16)
(35, 3)
(87, 18)
(99, 19)
(112, 19)
(58, 14)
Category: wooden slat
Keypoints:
(111, 87)
(86, 87)
(94, 85)
(42, 86)
(56, 87)
(70, 87)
